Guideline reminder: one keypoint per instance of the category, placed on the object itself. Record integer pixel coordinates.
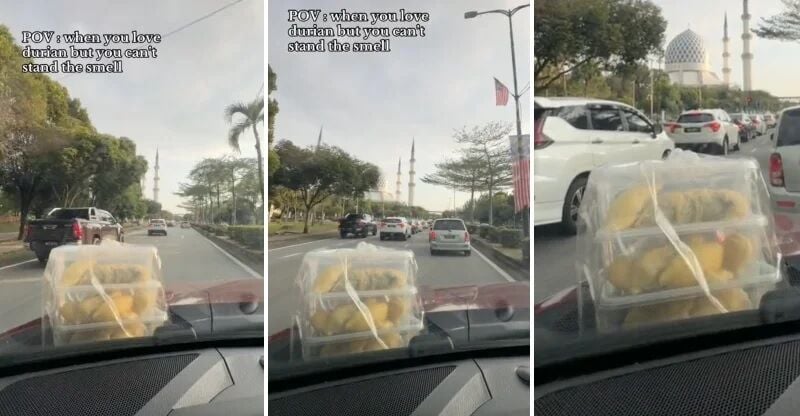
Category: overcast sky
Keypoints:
(175, 102)
(373, 104)
(774, 62)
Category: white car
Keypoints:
(394, 227)
(157, 226)
(575, 135)
(706, 130)
(783, 167)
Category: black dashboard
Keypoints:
(210, 381)
(480, 386)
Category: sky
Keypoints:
(175, 102)
(373, 104)
(774, 62)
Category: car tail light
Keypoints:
(776, 170)
(466, 237)
(402, 225)
(673, 126)
(714, 126)
(755, 122)
(432, 236)
(383, 224)
(540, 141)
(77, 231)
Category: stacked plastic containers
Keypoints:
(686, 237)
(358, 300)
(95, 293)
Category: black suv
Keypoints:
(360, 225)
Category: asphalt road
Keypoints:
(440, 271)
(186, 256)
(554, 252)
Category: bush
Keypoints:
(472, 228)
(483, 231)
(510, 237)
(494, 234)
(249, 235)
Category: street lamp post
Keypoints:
(509, 14)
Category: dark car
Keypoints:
(61, 226)
(747, 129)
(360, 225)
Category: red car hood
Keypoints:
(206, 292)
(463, 298)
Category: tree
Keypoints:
(464, 174)
(784, 26)
(488, 146)
(569, 34)
(252, 114)
(319, 173)
(152, 207)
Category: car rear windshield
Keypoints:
(393, 220)
(448, 225)
(695, 118)
(789, 129)
(351, 217)
(69, 214)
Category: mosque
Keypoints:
(687, 64)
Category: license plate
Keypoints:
(51, 243)
(692, 129)
(449, 237)
(391, 226)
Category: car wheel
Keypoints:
(666, 154)
(433, 252)
(121, 238)
(342, 234)
(724, 149)
(404, 237)
(572, 202)
(467, 253)
(96, 240)
(381, 237)
(42, 259)
(374, 231)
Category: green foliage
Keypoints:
(483, 230)
(472, 228)
(784, 26)
(569, 34)
(494, 234)
(249, 235)
(249, 116)
(223, 189)
(526, 249)
(317, 174)
(510, 237)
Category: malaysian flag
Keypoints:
(520, 171)
(500, 93)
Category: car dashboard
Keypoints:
(203, 382)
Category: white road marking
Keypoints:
(21, 280)
(17, 264)
(296, 245)
(235, 260)
(496, 268)
(290, 255)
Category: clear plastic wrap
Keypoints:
(666, 232)
(358, 300)
(100, 292)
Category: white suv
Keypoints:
(575, 135)
(708, 130)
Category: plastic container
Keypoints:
(111, 291)
(351, 295)
(657, 232)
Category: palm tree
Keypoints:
(253, 114)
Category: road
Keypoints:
(186, 256)
(440, 271)
(553, 252)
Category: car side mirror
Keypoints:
(657, 129)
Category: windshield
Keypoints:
(695, 118)
(184, 151)
(644, 243)
(385, 149)
(448, 225)
(68, 214)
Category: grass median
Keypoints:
(281, 228)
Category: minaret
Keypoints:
(726, 69)
(411, 173)
(397, 192)
(155, 179)
(747, 56)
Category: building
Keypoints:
(686, 60)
